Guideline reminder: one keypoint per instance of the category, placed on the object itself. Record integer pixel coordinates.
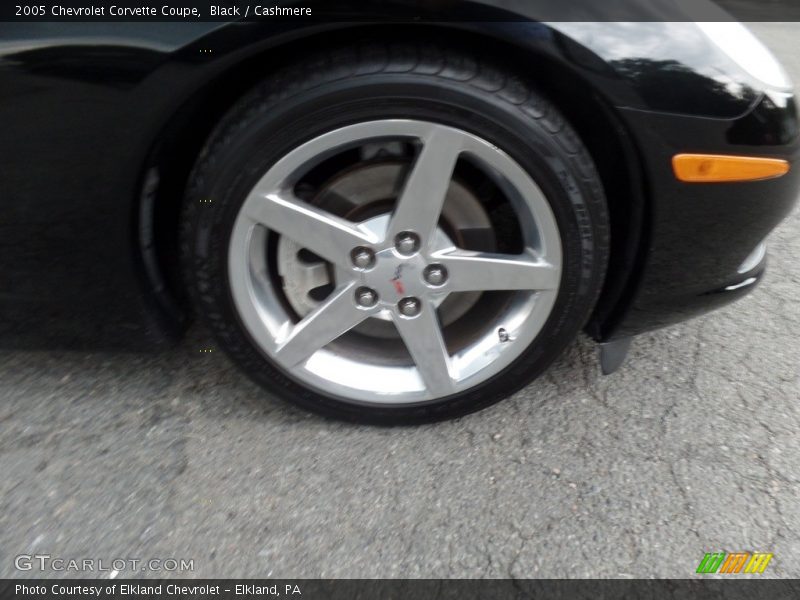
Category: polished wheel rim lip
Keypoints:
(298, 348)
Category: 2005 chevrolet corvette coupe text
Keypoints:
(387, 224)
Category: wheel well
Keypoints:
(612, 148)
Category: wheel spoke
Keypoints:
(420, 203)
(483, 271)
(322, 233)
(334, 317)
(423, 338)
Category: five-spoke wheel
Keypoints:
(394, 241)
(398, 264)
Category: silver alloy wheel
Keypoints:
(396, 278)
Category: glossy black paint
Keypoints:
(92, 113)
(700, 233)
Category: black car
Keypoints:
(385, 222)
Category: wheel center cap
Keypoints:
(395, 275)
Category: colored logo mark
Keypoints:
(734, 562)
(397, 280)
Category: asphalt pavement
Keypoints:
(692, 447)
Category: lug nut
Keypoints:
(366, 297)
(435, 274)
(362, 257)
(409, 307)
(407, 243)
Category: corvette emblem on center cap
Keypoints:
(397, 280)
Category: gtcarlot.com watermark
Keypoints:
(112, 567)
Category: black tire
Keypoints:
(368, 81)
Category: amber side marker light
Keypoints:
(711, 168)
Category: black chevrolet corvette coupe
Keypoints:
(385, 222)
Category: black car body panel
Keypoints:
(700, 234)
(91, 111)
